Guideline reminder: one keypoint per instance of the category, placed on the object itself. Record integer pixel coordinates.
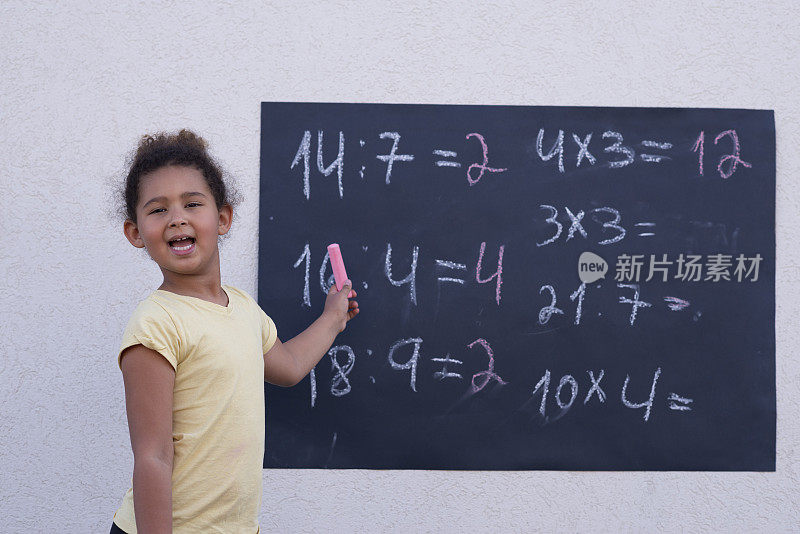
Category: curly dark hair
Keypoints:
(184, 148)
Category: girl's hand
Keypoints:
(338, 308)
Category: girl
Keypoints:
(194, 351)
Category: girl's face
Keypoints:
(178, 222)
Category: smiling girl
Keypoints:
(194, 351)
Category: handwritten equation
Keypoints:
(629, 268)
(564, 395)
(613, 151)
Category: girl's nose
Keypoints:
(178, 220)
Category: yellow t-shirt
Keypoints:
(218, 406)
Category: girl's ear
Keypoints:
(131, 231)
(225, 219)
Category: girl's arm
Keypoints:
(149, 380)
(286, 364)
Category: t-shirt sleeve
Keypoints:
(268, 331)
(151, 326)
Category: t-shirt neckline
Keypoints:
(203, 302)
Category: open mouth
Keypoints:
(182, 246)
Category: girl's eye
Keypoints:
(189, 205)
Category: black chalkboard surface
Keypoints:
(541, 287)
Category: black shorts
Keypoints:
(116, 530)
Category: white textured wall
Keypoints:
(81, 81)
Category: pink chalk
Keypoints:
(337, 264)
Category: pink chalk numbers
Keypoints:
(482, 167)
(731, 160)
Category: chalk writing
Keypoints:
(446, 154)
(444, 264)
(498, 274)
(340, 375)
(410, 279)
(564, 395)
(313, 381)
(679, 403)
(595, 387)
(479, 380)
(392, 156)
(556, 149)
(575, 223)
(412, 361)
(583, 151)
(542, 388)
(698, 147)
(325, 282)
(648, 225)
(337, 164)
(551, 220)
(305, 257)
(444, 373)
(482, 167)
(621, 155)
(732, 159)
(304, 153)
(655, 158)
(579, 294)
(612, 224)
(567, 379)
(646, 404)
(676, 304)
(635, 302)
(618, 148)
(548, 311)
(631, 270)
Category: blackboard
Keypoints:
(474, 235)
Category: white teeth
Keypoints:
(187, 247)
